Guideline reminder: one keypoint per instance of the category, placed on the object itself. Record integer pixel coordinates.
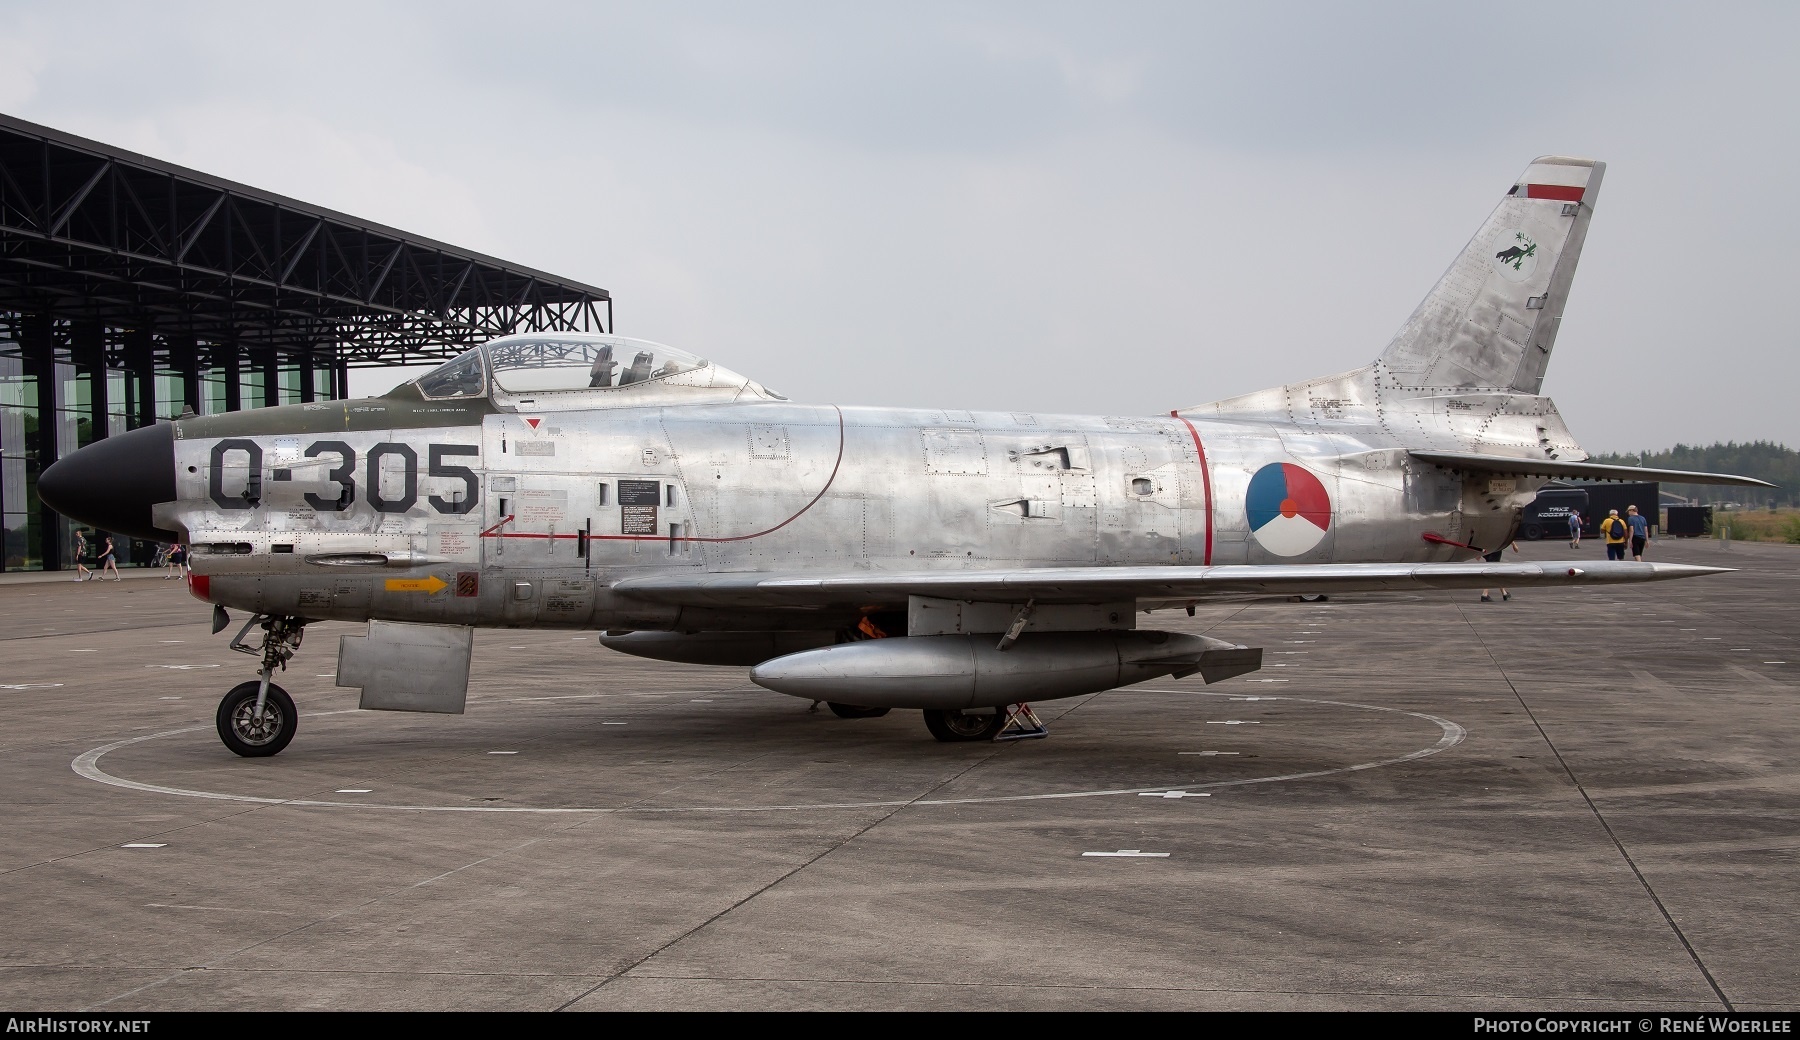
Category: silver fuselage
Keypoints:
(567, 503)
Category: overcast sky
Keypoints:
(1117, 208)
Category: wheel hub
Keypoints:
(966, 725)
(254, 727)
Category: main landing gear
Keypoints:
(257, 719)
(1013, 722)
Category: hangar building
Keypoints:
(132, 290)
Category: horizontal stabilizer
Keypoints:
(1505, 465)
(863, 589)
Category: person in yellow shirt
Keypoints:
(1615, 531)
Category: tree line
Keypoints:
(1765, 460)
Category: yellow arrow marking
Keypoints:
(432, 584)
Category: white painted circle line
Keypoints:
(87, 764)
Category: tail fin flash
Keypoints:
(1491, 321)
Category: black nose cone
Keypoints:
(112, 483)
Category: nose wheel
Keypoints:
(256, 730)
(257, 719)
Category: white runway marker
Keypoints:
(1266, 680)
(355, 790)
(615, 724)
(1174, 794)
(171, 640)
(87, 765)
(503, 752)
(1231, 722)
(84, 651)
(168, 698)
(30, 686)
(701, 700)
(1774, 662)
(1130, 854)
(1249, 698)
(1209, 752)
(144, 845)
(221, 909)
(1293, 651)
(181, 667)
(325, 675)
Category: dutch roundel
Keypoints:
(1288, 508)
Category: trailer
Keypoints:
(1548, 514)
(1690, 521)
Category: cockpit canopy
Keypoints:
(579, 370)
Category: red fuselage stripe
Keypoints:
(495, 532)
(1205, 482)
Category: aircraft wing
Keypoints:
(1506, 465)
(866, 589)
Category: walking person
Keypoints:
(80, 550)
(1574, 529)
(171, 565)
(1640, 532)
(1615, 531)
(178, 555)
(109, 561)
(1494, 557)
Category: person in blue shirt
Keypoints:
(1574, 529)
(1640, 532)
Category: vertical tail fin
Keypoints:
(1491, 321)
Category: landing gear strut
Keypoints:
(257, 719)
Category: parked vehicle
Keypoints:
(1548, 514)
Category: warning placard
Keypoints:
(640, 492)
(637, 520)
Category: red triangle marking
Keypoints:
(534, 422)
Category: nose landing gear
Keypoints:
(257, 719)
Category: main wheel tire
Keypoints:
(954, 726)
(855, 711)
(253, 736)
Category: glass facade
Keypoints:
(64, 386)
(18, 469)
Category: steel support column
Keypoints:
(37, 344)
(306, 376)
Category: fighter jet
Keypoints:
(960, 563)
